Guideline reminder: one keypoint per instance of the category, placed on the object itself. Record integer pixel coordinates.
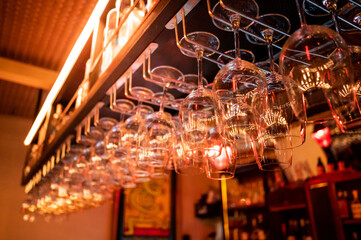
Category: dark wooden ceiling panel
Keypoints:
(41, 33)
(17, 99)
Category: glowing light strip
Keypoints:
(68, 65)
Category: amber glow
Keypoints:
(221, 161)
(69, 63)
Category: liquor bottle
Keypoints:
(355, 205)
(261, 232)
(258, 232)
(244, 235)
(320, 167)
(284, 231)
(342, 204)
(305, 229)
(341, 165)
(308, 233)
(235, 233)
(302, 228)
(291, 230)
(254, 233)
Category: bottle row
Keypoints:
(349, 206)
(297, 229)
(243, 227)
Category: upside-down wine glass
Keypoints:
(136, 138)
(245, 6)
(234, 87)
(161, 129)
(118, 148)
(280, 129)
(97, 184)
(201, 139)
(345, 104)
(245, 55)
(317, 60)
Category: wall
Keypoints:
(90, 224)
(305, 158)
(189, 190)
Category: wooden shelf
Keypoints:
(343, 176)
(255, 207)
(351, 221)
(287, 207)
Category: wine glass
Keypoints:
(160, 125)
(245, 55)
(193, 80)
(117, 148)
(177, 149)
(197, 112)
(249, 7)
(275, 159)
(343, 100)
(169, 97)
(135, 137)
(234, 87)
(317, 60)
(106, 124)
(312, 10)
(279, 125)
(202, 142)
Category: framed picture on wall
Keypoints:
(147, 211)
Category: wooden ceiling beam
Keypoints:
(26, 74)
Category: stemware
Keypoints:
(279, 126)
(317, 60)
(117, 148)
(312, 10)
(160, 125)
(106, 124)
(177, 154)
(343, 100)
(191, 79)
(234, 87)
(245, 55)
(159, 95)
(197, 112)
(136, 137)
(275, 159)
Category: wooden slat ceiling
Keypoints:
(40, 33)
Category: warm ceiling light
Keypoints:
(68, 65)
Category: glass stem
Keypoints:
(301, 14)
(121, 118)
(165, 88)
(139, 106)
(335, 21)
(235, 19)
(270, 55)
(199, 53)
(268, 36)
